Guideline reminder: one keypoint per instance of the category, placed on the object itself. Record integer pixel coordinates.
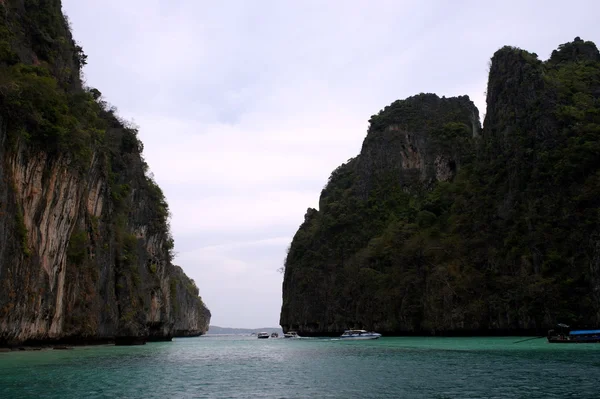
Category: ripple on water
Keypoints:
(243, 367)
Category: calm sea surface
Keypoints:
(245, 367)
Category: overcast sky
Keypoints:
(245, 107)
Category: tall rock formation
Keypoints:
(329, 282)
(439, 227)
(85, 247)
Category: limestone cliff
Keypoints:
(411, 145)
(439, 227)
(85, 247)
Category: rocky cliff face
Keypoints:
(416, 142)
(85, 248)
(439, 227)
(411, 146)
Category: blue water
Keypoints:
(245, 367)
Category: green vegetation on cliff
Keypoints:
(437, 227)
(86, 216)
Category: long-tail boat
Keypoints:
(564, 335)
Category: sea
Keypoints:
(246, 367)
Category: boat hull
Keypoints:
(359, 334)
(263, 335)
(291, 335)
(573, 341)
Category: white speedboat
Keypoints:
(291, 334)
(263, 335)
(359, 334)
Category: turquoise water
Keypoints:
(245, 367)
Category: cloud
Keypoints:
(231, 212)
(245, 108)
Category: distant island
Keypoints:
(214, 330)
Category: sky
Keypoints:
(246, 107)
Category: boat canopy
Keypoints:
(584, 332)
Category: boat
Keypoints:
(274, 335)
(565, 335)
(263, 335)
(291, 334)
(359, 334)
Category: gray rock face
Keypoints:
(417, 141)
(68, 272)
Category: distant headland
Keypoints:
(214, 330)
